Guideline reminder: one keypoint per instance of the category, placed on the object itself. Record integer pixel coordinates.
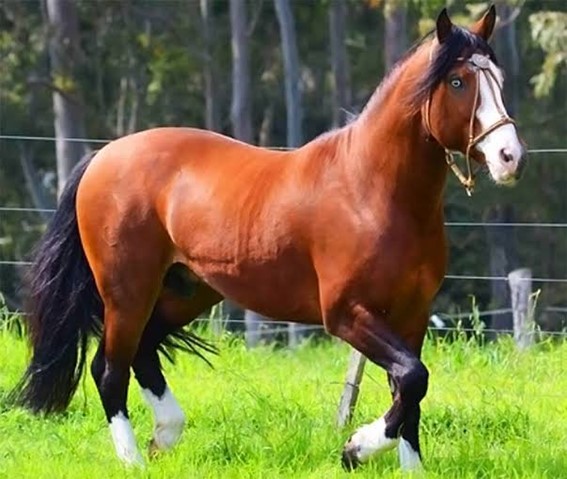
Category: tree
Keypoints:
(293, 105)
(241, 117)
(395, 31)
(506, 44)
(67, 107)
(503, 254)
(292, 73)
(207, 31)
(342, 97)
(241, 112)
(503, 260)
(146, 64)
(549, 31)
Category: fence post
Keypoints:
(520, 281)
(216, 319)
(351, 389)
(292, 335)
(253, 328)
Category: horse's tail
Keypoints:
(63, 308)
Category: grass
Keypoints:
(491, 412)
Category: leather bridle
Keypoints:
(481, 66)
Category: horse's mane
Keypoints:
(460, 43)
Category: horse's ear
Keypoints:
(443, 26)
(485, 26)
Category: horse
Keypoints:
(346, 231)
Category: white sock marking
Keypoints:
(371, 439)
(124, 440)
(169, 418)
(409, 459)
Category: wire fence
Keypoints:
(447, 276)
(108, 140)
(271, 328)
(450, 224)
(276, 327)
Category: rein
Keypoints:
(481, 65)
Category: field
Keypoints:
(491, 412)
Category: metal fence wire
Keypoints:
(275, 327)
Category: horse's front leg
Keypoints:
(408, 447)
(369, 334)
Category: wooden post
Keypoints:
(216, 318)
(292, 335)
(351, 389)
(520, 281)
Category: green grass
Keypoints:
(491, 412)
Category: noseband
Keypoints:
(481, 66)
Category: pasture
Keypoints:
(491, 412)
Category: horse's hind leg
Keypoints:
(111, 372)
(169, 418)
(179, 303)
(129, 281)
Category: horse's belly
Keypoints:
(282, 288)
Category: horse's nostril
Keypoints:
(506, 157)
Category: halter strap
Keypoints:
(481, 64)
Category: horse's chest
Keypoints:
(406, 271)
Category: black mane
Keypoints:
(460, 43)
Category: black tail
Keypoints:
(63, 308)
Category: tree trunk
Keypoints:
(506, 45)
(502, 249)
(292, 74)
(241, 112)
(39, 196)
(67, 106)
(207, 32)
(502, 261)
(342, 98)
(264, 135)
(292, 101)
(395, 31)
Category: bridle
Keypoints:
(481, 65)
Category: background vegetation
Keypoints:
(121, 66)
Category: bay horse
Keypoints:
(346, 231)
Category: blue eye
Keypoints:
(456, 83)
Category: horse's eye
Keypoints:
(456, 83)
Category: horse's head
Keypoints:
(464, 110)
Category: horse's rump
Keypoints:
(227, 210)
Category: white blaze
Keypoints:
(502, 139)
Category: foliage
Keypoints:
(549, 31)
(141, 66)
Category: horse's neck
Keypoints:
(395, 160)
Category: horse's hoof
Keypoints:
(349, 459)
(153, 449)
